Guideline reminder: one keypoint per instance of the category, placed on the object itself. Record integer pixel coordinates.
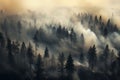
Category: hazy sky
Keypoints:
(36, 4)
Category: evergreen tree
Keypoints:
(2, 41)
(30, 54)
(96, 20)
(73, 36)
(100, 19)
(105, 32)
(15, 47)
(23, 52)
(46, 54)
(115, 68)
(92, 57)
(46, 59)
(69, 67)
(39, 68)
(108, 23)
(23, 49)
(59, 31)
(69, 64)
(35, 38)
(9, 45)
(106, 54)
(10, 55)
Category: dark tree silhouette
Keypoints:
(96, 20)
(105, 32)
(2, 41)
(30, 55)
(100, 19)
(73, 36)
(92, 57)
(106, 54)
(39, 68)
(115, 68)
(35, 38)
(46, 54)
(70, 67)
(15, 47)
(23, 49)
(69, 64)
(10, 54)
(23, 52)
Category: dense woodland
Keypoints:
(20, 60)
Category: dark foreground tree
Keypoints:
(92, 57)
(2, 41)
(10, 55)
(105, 56)
(115, 68)
(23, 51)
(39, 68)
(30, 55)
(69, 67)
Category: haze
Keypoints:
(36, 4)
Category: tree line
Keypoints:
(23, 59)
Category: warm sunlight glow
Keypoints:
(30, 4)
(12, 5)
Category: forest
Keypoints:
(55, 51)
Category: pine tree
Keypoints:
(69, 64)
(9, 45)
(73, 36)
(35, 38)
(115, 67)
(15, 47)
(96, 20)
(23, 49)
(30, 54)
(70, 67)
(46, 59)
(106, 53)
(105, 32)
(23, 52)
(2, 41)
(92, 57)
(39, 68)
(10, 55)
(100, 19)
(46, 54)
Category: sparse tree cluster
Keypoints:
(97, 23)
